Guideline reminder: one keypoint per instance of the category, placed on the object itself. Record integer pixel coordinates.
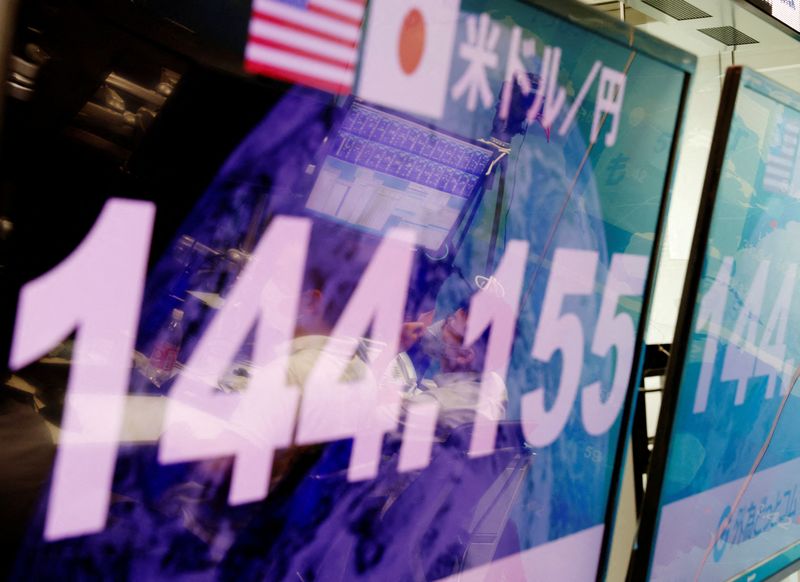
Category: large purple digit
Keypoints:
(339, 402)
(97, 291)
(626, 278)
(202, 423)
(572, 273)
(496, 307)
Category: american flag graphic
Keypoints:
(313, 42)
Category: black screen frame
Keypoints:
(641, 556)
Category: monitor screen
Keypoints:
(298, 392)
(384, 171)
(727, 459)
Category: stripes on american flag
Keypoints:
(313, 42)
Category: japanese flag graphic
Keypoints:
(407, 53)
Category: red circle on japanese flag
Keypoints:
(412, 41)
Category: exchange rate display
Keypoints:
(722, 494)
(396, 333)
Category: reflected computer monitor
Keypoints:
(381, 171)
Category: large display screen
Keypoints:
(283, 334)
(722, 497)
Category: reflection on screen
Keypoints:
(383, 171)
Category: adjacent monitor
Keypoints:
(723, 492)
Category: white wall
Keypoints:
(690, 171)
(777, 56)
